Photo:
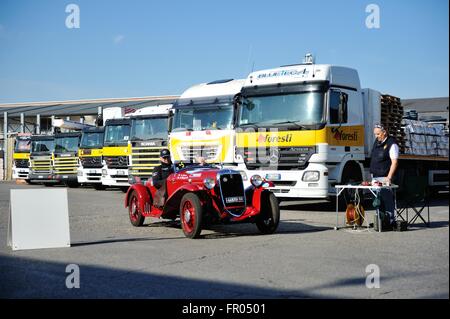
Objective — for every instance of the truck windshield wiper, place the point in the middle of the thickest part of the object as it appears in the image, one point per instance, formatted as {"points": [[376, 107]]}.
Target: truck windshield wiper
{"points": [[255, 125], [293, 122]]}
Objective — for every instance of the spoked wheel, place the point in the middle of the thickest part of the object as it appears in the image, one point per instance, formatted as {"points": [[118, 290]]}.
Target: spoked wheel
{"points": [[191, 212], [269, 218], [135, 214]]}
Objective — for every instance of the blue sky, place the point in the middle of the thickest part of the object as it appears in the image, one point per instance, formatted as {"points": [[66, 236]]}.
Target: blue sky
{"points": [[145, 48]]}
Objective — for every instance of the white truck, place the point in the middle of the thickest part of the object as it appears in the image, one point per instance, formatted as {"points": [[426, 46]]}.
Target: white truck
{"points": [[203, 123], [308, 127], [116, 148]]}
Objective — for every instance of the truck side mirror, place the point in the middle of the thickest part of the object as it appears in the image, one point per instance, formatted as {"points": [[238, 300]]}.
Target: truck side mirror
{"points": [[342, 113]]}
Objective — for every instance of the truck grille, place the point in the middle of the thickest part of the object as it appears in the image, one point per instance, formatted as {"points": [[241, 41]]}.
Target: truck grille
{"points": [[91, 162], [232, 192], [116, 161], [209, 152], [144, 159], [66, 165], [41, 165], [21, 163], [284, 158]]}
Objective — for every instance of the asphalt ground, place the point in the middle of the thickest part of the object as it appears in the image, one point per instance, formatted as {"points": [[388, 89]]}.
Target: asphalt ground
{"points": [[305, 258]]}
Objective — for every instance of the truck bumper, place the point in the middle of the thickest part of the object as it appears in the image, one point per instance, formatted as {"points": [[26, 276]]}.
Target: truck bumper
{"points": [[90, 176], [66, 178], [20, 173], [45, 177], [289, 184], [115, 177]]}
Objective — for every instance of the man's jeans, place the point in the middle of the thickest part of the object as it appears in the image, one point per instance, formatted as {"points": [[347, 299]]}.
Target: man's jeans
{"points": [[387, 199]]}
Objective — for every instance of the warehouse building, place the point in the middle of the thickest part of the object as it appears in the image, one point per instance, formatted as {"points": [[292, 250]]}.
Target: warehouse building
{"points": [[36, 117]]}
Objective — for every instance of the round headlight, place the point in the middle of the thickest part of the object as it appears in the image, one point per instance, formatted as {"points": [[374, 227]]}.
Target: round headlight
{"points": [[209, 183], [256, 180]]}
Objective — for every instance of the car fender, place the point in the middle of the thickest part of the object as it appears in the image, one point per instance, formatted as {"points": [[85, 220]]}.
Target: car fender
{"points": [[143, 195]]}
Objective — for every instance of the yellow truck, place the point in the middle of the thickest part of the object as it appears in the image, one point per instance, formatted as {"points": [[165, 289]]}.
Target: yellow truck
{"points": [[90, 154], [21, 157]]}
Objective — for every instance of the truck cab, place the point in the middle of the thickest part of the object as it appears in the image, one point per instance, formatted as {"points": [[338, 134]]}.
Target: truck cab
{"points": [[90, 157], [21, 157], [204, 123], [149, 135], [41, 164], [116, 151], [65, 158]]}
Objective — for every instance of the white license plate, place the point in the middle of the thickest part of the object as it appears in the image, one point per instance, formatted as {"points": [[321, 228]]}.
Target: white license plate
{"points": [[65, 176], [92, 171], [40, 176], [121, 173], [22, 171], [231, 200], [273, 177]]}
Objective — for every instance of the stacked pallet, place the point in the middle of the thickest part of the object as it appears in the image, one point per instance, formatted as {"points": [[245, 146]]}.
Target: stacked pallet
{"points": [[423, 138], [391, 117]]}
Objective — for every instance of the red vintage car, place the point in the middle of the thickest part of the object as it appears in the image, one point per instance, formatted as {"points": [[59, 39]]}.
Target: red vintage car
{"points": [[201, 195]]}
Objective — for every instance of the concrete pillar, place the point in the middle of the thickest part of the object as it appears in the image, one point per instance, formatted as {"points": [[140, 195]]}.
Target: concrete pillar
{"points": [[53, 128], [22, 123], [38, 123], [5, 144]]}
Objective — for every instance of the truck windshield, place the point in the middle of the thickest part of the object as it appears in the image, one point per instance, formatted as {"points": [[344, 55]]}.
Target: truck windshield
{"points": [[42, 146], [22, 146], [203, 118], [149, 129], [305, 108], [92, 140], [66, 144], [117, 134]]}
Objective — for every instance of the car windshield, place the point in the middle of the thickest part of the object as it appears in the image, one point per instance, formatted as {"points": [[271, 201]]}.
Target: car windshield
{"points": [[92, 140], [149, 128], [203, 118], [304, 108], [117, 134], [23, 146], [66, 144], [42, 146]]}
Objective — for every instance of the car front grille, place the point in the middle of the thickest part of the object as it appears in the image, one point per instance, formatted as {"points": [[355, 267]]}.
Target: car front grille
{"points": [[232, 192]]}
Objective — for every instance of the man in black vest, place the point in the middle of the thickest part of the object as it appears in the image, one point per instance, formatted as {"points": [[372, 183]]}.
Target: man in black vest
{"points": [[383, 165], [159, 176]]}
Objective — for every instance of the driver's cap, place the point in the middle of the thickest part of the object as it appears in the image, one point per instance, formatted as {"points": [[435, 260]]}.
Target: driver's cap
{"points": [[165, 153]]}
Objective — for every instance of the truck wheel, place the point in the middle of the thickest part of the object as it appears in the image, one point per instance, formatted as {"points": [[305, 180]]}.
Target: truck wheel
{"points": [[99, 187], [72, 184], [134, 212], [191, 212], [269, 217], [29, 182]]}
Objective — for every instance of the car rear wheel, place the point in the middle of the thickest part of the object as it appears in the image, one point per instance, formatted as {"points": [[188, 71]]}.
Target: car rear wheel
{"points": [[191, 212], [269, 217], [134, 212]]}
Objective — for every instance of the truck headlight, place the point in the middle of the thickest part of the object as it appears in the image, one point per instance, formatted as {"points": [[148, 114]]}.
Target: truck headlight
{"points": [[256, 180], [209, 183], [311, 176]]}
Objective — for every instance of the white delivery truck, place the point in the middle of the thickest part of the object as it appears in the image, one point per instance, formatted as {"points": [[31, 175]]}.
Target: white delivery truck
{"points": [[308, 127]]}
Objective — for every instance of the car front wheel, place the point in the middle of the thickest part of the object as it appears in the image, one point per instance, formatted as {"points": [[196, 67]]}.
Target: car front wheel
{"points": [[269, 217], [191, 211]]}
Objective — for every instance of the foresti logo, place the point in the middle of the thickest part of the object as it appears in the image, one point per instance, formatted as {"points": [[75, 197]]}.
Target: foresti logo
{"points": [[341, 136], [266, 138]]}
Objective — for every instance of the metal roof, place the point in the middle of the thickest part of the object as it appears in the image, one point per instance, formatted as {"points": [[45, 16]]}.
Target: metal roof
{"points": [[438, 104], [82, 107]]}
